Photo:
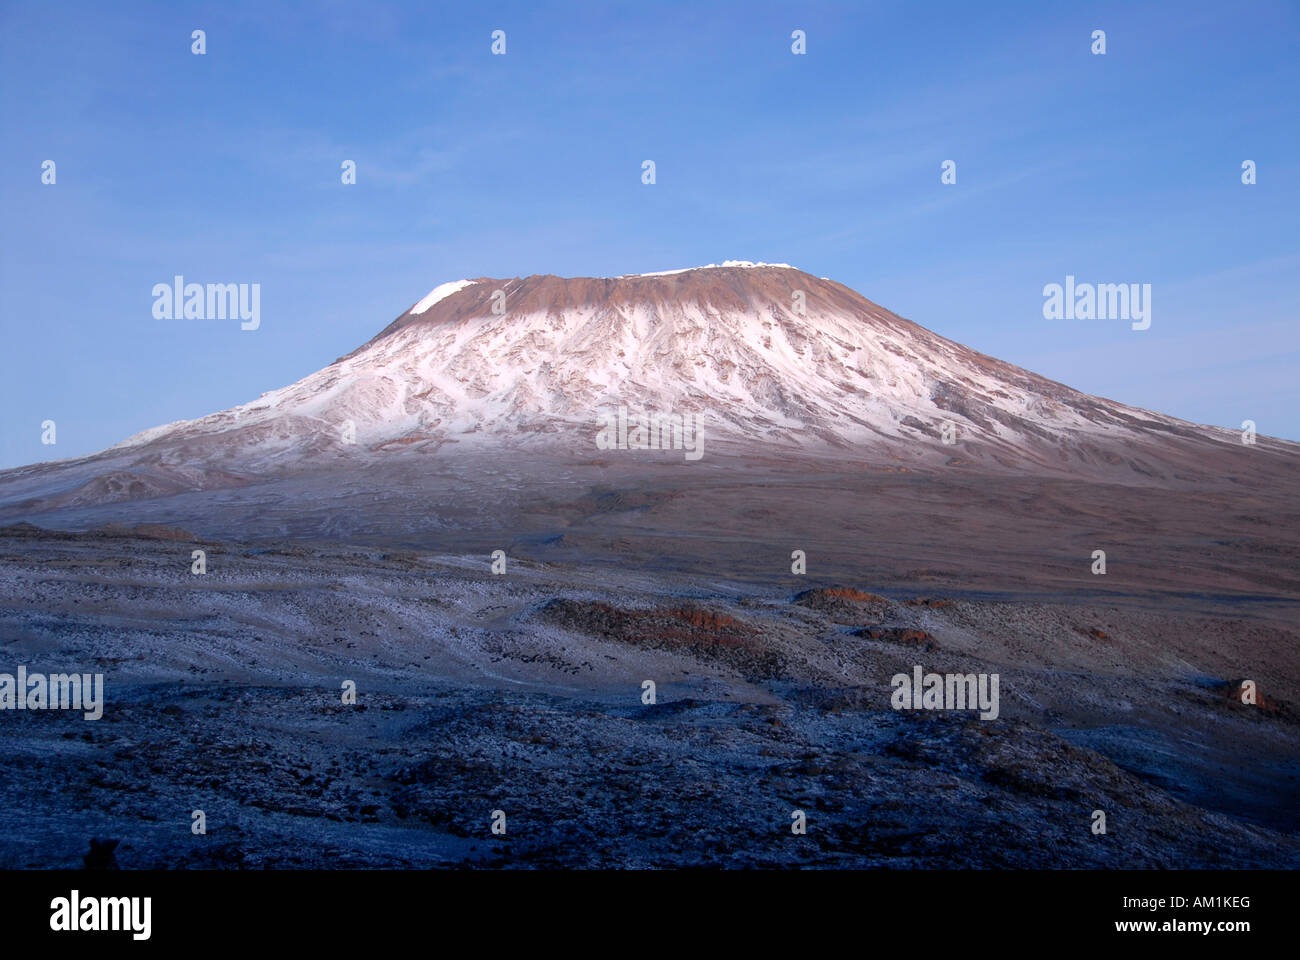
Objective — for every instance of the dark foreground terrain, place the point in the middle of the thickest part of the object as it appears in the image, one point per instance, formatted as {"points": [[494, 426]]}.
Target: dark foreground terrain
{"points": [[522, 693]]}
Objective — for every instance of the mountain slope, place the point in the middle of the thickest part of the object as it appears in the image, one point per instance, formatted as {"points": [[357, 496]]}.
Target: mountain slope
{"points": [[775, 362], [724, 342]]}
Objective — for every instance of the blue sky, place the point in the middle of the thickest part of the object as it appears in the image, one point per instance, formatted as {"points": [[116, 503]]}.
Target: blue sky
{"points": [[226, 168]]}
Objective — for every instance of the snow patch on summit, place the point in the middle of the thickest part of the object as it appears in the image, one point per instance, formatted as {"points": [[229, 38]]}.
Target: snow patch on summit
{"points": [[707, 266], [440, 292]]}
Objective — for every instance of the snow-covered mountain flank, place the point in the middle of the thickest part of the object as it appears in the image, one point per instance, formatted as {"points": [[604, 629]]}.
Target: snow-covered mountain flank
{"points": [[763, 353], [774, 362]]}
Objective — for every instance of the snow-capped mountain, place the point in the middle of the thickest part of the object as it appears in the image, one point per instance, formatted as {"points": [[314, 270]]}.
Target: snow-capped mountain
{"points": [[763, 353], [773, 361]]}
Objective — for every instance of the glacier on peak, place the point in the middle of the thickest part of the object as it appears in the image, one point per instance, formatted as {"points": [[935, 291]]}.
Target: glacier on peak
{"points": [[441, 292], [707, 266]]}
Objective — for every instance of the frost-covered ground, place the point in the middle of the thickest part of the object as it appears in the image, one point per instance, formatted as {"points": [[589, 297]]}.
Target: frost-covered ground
{"points": [[522, 693]]}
